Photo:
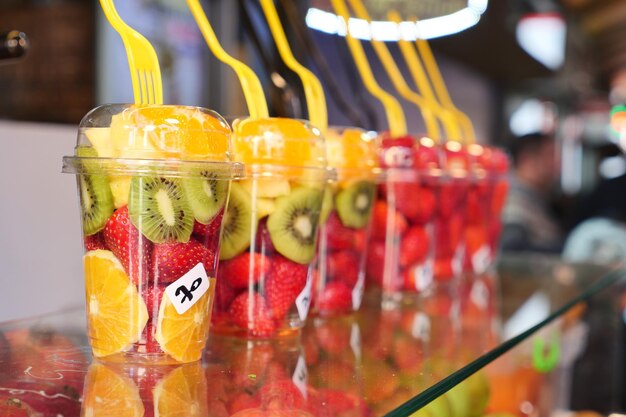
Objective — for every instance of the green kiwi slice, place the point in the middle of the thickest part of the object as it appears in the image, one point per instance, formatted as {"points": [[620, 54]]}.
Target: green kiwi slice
{"points": [[293, 225], [95, 195], [238, 224], [327, 204], [354, 204], [205, 193], [158, 208]]}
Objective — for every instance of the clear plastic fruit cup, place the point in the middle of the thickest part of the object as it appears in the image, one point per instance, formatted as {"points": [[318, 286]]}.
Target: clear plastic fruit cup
{"points": [[498, 173], [401, 247], [339, 275], [451, 214], [153, 184], [270, 233]]}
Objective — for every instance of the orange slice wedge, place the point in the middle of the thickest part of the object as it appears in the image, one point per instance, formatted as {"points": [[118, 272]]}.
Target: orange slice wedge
{"points": [[110, 394], [183, 336], [116, 313]]}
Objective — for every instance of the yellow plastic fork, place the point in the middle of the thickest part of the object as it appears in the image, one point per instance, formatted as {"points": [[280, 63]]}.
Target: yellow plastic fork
{"points": [[250, 84], [393, 109], [315, 99], [145, 72], [427, 108], [440, 86]]}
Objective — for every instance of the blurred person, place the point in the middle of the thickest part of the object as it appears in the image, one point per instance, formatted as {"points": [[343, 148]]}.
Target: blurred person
{"points": [[528, 223]]}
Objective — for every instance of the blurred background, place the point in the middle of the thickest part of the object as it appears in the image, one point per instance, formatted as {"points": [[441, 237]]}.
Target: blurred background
{"points": [[516, 67]]}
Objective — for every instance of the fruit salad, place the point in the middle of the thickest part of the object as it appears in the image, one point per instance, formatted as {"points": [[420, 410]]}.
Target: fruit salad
{"points": [[339, 276], [270, 229], [401, 247], [153, 183]]}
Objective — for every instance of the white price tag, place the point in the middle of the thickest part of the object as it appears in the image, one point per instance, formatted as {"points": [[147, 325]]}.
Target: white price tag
{"points": [[303, 301], [357, 292], [421, 327], [188, 289], [300, 375], [479, 294], [481, 259], [423, 276], [355, 341]]}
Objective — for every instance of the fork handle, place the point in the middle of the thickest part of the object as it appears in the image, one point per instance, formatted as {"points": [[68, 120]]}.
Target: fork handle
{"points": [[13, 44]]}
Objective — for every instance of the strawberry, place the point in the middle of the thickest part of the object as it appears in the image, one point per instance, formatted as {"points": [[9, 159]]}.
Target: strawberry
{"points": [[360, 240], [203, 231], [263, 241], [337, 235], [244, 270], [283, 285], [224, 294], [249, 311], [380, 215], [375, 264], [335, 297], [414, 246], [94, 242], [129, 246], [243, 401], [172, 260], [152, 295], [343, 266]]}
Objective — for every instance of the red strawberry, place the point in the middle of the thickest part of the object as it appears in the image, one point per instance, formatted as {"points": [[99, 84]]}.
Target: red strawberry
{"points": [[360, 240], [380, 215], [249, 311], [414, 246], [343, 266], [224, 294], [94, 242], [152, 295], [129, 246], [244, 270], [337, 235], [283, 285], [375, 264], [243, 401], [172, 260], [203, 231], [263, 241], [335, 297]]}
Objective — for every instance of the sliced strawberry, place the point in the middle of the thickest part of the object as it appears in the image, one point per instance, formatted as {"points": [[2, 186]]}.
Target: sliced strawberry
{"points": [[249, 311], [283, 285], [343, 266], [94, 242], [133, 250], [338, 236], [414, 246], [172, 260], [336, 297], [244, 270], [263, 241], [380, 227]]}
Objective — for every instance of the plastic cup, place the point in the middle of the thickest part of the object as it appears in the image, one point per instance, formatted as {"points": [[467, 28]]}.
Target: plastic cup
{"points": [[153, 183], [402, 244], [339, 276], [271, 229]]}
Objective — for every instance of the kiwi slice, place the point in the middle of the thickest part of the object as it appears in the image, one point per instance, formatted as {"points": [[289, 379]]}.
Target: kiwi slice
{"points": [[293, 225], [354, 204], [157, 206], [95, 195], [327, 204], [238, 224], [205, 193]]}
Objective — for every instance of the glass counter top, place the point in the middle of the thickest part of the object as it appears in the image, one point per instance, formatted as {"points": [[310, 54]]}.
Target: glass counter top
{"points": [[391, 361]]}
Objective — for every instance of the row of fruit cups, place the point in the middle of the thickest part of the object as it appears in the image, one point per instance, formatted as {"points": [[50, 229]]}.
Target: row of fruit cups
{"points": [[147, 230]]}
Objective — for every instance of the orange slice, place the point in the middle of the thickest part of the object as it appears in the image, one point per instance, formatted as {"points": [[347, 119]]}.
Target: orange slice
{"points": [[182, 393], [277, 141], [183, 336], [116, 313], [110, 394]]}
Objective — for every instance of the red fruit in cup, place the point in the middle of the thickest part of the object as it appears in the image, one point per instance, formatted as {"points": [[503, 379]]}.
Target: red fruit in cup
{"points": [[343, 266], [172, 260], [249, 311], [360, 240], [224, 294], [417, 203], [375, 264], [244, 270], [338, 236], [398, 152], [284, 283], [95, 242], [263, 242], [335, 297], [381, 213], [243, 401], [426, 157], [211, 229], [152, 295], [414, 246], [129, 246]]}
